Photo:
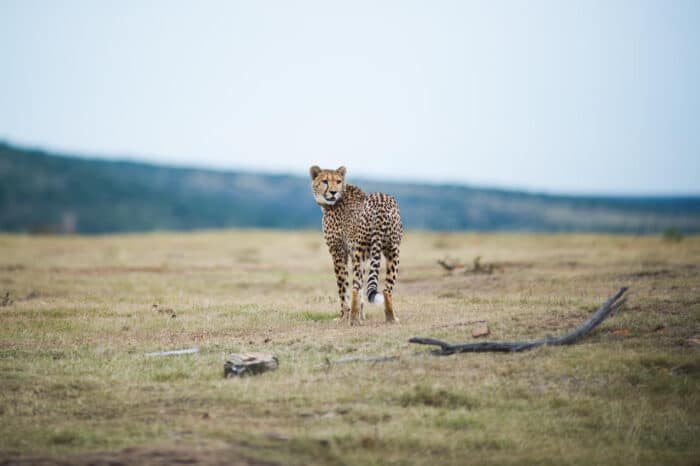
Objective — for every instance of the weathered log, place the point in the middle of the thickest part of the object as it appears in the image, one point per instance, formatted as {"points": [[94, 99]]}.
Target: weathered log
{"points": [[579, 332]]}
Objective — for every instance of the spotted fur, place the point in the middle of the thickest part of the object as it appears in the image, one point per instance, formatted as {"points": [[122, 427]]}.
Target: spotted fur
{"points": [[360, 227]]}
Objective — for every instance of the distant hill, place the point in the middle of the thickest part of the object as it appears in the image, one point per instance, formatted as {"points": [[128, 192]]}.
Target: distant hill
{"points": [[48, 192]]}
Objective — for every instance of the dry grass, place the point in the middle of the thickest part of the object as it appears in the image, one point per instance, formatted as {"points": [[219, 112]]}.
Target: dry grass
{"points": [[76, 385]]}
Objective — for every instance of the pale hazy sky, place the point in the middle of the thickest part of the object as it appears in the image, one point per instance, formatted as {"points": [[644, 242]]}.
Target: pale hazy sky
{"points": [[562, 96]]}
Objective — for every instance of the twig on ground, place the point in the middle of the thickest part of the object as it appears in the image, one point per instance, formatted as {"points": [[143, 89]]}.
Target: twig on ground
{"points": [[459, 324], [366, 359], [579, 332], [174, 352]]}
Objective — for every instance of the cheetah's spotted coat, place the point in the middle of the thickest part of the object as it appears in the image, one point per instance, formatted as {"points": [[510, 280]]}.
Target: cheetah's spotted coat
{"points": [[360, 227]]}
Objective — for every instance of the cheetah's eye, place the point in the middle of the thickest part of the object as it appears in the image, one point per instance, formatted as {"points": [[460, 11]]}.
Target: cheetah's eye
{"points": [[325, 182]]}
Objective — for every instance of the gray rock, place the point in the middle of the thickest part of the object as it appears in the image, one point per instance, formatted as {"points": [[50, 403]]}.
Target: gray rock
{"points": [[239, 364]]}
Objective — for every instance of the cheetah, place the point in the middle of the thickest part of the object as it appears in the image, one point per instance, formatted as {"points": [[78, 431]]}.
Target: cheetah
{"points": [[361, 227]]}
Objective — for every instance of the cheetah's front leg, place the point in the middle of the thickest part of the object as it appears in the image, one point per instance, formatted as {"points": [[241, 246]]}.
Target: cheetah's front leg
{"points": [[356, 303], [340, 266]]}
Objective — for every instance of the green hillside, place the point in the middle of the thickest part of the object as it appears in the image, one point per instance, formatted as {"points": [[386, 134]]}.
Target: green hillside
{"points": [[48, 192]]}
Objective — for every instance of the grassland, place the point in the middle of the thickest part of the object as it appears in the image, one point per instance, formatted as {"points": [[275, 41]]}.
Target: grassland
{"points": [[76, 387]]}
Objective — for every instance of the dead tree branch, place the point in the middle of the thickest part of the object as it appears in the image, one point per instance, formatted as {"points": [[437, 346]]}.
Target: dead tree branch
{"points": [[478, 267], [449, 267], [613, 303]]}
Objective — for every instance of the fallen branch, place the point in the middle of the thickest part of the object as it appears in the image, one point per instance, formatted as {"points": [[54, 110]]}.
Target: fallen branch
{"points": [[449, 267], [478, 268], [579, 332]]}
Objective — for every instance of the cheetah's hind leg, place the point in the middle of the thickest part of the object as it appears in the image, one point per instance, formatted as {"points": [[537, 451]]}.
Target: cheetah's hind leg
{"points": [[392, 270], [389, 308]]}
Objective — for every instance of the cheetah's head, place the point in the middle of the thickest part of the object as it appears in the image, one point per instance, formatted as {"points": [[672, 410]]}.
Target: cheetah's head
{"points": [[328, 186]]}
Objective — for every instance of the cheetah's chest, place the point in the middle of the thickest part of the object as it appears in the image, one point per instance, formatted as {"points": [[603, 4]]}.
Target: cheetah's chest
{"points": [[343, 229]]}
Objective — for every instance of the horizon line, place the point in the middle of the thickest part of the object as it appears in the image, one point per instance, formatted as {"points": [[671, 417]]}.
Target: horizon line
{"points": [[109, 157]]}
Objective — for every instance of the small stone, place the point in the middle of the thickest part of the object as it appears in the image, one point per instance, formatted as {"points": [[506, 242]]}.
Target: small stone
{"points": [[480, 330]]}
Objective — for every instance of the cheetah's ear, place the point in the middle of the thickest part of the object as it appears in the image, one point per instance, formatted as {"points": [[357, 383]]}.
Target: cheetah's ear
{"points": [[341, 170], [314, 171]]}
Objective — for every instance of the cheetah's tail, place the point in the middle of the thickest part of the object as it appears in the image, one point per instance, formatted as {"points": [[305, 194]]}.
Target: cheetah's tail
{"points": [[375, 298]]}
